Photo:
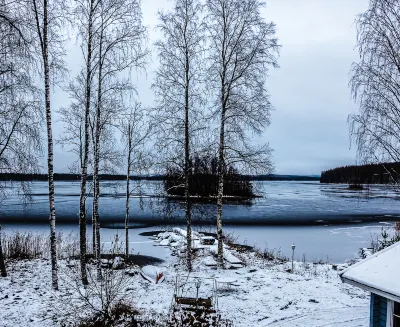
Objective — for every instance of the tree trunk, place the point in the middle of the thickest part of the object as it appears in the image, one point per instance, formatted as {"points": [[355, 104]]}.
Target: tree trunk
{"points": [[187, 171], [3, 270], [128, 195], [97, 159], [94, 233], [221, 172], [52, 218], [96, 193], [82, 203], [221, 167]]}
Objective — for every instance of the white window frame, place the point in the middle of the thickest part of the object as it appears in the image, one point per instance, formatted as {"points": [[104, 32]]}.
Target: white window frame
{"points": [[390, 314], [395, 315], [390, 311]]}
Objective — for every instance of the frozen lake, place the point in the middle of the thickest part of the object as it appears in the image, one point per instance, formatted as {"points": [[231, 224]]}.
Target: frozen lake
{"points": [[324, 221]]}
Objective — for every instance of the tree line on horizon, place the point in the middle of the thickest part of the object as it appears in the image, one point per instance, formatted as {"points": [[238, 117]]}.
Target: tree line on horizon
{"points": [[382, 173], [30, 177], [209, 87]]}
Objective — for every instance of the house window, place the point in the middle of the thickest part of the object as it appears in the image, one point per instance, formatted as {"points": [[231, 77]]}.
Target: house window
{"points": [[396, 314]]}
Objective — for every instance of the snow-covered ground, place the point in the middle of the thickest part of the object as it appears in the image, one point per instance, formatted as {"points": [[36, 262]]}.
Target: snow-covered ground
{"points": [[261, 293]]}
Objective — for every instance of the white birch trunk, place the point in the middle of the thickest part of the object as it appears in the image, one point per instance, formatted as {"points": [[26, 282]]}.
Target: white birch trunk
{"points": [[82, 202], [221, 171], [97, 159], [128, 194], [187, 169], [52, 218]]}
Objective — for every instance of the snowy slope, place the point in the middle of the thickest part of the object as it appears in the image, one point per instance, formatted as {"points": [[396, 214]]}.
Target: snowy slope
{"points": [[262, 293]]}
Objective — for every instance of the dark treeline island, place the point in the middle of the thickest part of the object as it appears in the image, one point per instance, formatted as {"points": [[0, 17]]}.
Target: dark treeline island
{"points": [[384, 173], [203, 180], [111, 177]]}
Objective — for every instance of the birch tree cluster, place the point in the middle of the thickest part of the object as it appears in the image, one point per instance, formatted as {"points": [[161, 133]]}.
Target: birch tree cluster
{"points": [[210, 91]]}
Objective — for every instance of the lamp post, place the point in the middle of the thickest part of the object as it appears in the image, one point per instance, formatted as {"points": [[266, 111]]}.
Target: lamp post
{"points": [[293, 247], [197, 284]]}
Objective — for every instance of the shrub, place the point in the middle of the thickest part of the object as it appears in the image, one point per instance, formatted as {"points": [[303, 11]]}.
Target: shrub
{"points": [[384, 240], [271, 255], [197, 318], [28, 245], [20, 246]]}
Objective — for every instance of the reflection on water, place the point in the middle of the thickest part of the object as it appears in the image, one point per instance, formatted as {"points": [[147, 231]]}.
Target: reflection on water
{"points": [[322, 220], [289, 203]]}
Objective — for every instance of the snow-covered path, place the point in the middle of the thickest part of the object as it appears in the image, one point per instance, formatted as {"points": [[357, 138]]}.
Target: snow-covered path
{"points": [[344, 317]]}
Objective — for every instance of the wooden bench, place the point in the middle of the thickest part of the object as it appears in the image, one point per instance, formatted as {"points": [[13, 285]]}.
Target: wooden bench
{"points": [[200, 302]]}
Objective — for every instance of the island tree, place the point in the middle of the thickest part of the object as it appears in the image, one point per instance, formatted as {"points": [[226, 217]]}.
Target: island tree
{"points": [[242, 49]]}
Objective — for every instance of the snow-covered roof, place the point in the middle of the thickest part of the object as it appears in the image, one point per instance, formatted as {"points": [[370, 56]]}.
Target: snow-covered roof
{"points": [[378, 273]]}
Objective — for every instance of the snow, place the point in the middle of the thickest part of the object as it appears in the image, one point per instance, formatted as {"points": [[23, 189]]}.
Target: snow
{"points": [[261, 293], [118, 263], [153, 274], [209, 261], [165, 242], [379, 271]]}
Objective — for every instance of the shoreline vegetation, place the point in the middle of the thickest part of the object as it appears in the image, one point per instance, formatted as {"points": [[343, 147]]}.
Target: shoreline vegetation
{"points": [[382, 173]]}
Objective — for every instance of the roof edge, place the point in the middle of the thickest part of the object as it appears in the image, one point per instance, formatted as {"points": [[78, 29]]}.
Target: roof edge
{"points": [[371, 289], [368, 258]]}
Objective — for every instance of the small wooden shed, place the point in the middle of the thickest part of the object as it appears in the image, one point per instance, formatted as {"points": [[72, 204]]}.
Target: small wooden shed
{"points": [[379, 274]]}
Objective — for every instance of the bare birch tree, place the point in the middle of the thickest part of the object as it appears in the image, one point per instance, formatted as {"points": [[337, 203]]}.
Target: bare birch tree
{"points": [[135, 132], [72, 138], [45, 19], [242, 49], [177, 89], [375, 84], [120, 47], [85, 14], [20, 105]]}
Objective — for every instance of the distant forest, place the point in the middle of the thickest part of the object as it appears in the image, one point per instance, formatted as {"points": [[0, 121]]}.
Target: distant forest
{"points": [[72, 177], [364, 174], [106, 177]]}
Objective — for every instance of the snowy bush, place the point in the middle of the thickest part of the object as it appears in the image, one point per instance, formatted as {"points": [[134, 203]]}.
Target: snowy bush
{"points": [[27, 245], [197, 318], [387, 238], [104, 302]]}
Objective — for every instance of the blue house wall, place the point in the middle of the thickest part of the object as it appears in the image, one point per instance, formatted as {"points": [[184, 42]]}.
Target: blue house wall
{"points": [[378, 313]]}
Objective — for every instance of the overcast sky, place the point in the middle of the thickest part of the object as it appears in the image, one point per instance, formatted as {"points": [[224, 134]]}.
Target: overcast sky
{"points": [[309, 91]]}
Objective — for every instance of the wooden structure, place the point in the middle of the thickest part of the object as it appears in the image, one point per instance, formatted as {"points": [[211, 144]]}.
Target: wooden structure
{"points": [[186, 297]]}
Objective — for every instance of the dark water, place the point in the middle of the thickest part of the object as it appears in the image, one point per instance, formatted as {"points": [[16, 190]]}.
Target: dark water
{"points": [[322, 220], [283, 203]]}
